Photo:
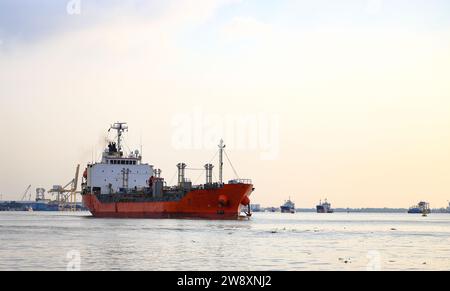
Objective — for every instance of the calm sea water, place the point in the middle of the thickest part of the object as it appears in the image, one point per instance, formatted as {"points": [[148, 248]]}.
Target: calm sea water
{"points": [[269, 241]]}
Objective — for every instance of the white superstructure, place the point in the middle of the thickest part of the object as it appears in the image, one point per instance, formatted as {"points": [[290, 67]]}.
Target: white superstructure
{"points": [[116, 173]]}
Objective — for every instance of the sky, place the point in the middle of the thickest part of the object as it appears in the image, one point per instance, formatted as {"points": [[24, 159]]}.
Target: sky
{"points": [[346, 100]]}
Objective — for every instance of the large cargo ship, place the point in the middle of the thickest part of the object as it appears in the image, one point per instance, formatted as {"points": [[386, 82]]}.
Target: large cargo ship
{"points": [[122, 186]]}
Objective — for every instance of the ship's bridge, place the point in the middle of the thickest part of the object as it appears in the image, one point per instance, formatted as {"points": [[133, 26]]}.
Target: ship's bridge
{"points": [[122, 162], [113, 156]]}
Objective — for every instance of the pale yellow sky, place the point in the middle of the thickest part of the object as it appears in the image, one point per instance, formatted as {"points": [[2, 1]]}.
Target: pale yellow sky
{"points": [[358, 114]]}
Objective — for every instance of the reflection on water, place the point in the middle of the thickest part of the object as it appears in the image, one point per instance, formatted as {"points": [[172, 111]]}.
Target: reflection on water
{"points": [[270, 241]]}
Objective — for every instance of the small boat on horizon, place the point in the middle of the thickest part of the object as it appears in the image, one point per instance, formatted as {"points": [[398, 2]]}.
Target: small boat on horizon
{"points": [[324, 207], [288, 206], [421, 208]]}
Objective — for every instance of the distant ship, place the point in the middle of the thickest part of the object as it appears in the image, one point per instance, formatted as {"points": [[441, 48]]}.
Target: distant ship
{"points": [[123, 186], [421, 208], [324, 207], [288, 207]]}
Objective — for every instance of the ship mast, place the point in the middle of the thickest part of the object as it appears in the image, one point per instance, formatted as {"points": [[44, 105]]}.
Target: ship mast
{"points": [[121, 127], [221, 148]]}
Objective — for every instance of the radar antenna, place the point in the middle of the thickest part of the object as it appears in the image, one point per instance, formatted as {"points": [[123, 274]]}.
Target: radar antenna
{"points": [[120, 127]]}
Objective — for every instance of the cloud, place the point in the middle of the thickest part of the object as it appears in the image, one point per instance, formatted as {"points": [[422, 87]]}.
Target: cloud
{"points": [[194, 10], [30, 20], [371, 92], [240, 28], [374, 6]]}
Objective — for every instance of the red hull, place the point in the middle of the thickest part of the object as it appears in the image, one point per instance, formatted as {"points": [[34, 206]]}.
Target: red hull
{"points": [[201, 204]]}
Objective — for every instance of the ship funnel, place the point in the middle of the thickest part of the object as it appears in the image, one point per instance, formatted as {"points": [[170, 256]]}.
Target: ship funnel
{"points": [[181, 173], [209, 169], [158, 173]]}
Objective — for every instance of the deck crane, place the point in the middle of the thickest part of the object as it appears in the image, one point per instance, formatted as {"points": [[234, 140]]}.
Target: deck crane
{"points": [[26, 192]]}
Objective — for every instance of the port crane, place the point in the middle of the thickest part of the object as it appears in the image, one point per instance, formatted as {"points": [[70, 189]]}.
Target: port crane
{"points": [[26, 192], [67, 195]]}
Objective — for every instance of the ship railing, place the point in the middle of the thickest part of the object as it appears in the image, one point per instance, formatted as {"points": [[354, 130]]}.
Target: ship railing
{"points": [[241, 181], [208, 186]]}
